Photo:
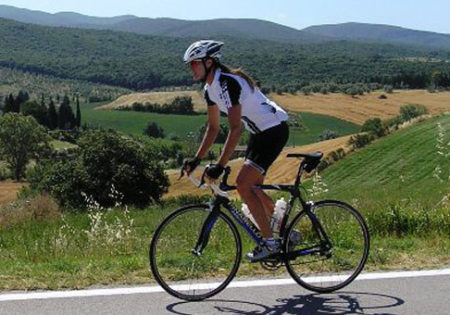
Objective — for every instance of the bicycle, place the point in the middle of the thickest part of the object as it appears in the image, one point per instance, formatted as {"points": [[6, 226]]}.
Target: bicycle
{"points": [[196, 250]]}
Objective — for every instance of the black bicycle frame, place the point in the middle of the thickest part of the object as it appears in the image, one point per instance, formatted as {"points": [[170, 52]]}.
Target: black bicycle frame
{"points": [[250, 228]]}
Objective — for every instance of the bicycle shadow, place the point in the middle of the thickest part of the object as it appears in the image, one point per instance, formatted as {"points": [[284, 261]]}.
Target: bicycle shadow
{"points": [[334, 303]]}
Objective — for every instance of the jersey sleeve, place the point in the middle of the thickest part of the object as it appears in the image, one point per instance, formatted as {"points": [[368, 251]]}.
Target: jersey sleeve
{"points": [[208, 100], [231, 90]]}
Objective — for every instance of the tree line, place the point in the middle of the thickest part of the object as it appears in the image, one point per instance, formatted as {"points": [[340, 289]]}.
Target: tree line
{"points": [[142, 62], [51, 115]]}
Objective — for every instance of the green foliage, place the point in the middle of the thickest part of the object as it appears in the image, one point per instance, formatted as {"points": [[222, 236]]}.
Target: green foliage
{"points": [[153, 130], [38, 111], [411, 111], [66, 118], [106, 162], [374, 126], [145, 62], [180, 105], [21, 139], [327, 135], [360, 140]]}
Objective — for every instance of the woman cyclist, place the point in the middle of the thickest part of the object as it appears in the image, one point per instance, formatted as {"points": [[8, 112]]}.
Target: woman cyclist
{"points": [[234, 93]]}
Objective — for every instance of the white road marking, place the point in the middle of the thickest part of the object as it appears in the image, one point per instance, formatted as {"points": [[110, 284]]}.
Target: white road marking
{"points": [[234, 284]]}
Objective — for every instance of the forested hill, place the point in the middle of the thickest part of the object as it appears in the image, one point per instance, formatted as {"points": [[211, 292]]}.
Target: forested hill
{"points": [[380, 33], [145, 62]]}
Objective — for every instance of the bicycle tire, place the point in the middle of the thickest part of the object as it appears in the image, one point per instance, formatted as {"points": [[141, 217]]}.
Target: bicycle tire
{"points": [[184, 274], [328, 271]]}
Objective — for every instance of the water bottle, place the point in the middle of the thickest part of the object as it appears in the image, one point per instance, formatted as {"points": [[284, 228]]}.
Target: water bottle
{"points": [[278, 214], [246, 211]]}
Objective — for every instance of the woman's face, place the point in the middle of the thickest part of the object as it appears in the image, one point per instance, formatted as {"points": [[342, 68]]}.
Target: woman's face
{"points": [[197, 69]]}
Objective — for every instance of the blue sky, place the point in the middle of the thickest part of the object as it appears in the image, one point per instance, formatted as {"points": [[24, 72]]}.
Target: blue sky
{"points": [[421, 15]]}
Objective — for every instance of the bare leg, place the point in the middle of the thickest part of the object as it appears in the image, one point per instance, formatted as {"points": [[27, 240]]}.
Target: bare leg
{"points": [[247, 178], [265, 199]]}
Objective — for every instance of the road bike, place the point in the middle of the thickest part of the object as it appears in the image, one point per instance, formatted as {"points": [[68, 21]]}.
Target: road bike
{"points": [[196, 250]]}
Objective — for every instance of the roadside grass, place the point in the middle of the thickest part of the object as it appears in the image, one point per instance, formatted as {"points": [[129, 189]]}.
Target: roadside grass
{"points": [[183, 125], [76, 251]]}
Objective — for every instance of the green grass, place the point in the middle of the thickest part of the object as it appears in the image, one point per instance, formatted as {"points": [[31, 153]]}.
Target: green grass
{"points": [[395, 168], [182, 125]]}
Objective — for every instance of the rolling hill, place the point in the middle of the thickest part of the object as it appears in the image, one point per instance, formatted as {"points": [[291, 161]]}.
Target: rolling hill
{"points": [[143, 62], [240, 28], [380, 33], [395, 168]]}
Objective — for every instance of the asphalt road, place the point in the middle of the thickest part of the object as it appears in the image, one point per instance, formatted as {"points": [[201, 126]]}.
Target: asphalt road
{"points": [[393, 295]]}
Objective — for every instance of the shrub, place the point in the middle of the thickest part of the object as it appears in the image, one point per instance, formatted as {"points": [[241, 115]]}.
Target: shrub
{"points": [[411, 111], [153, 130], [388, 89], [327, 135], [106, 160], [374, 126], [40, 207], [360, 140]]}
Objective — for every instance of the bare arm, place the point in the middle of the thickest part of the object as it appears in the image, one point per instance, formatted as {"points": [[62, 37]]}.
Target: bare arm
{"points": [[212, 131], [234, 119]]}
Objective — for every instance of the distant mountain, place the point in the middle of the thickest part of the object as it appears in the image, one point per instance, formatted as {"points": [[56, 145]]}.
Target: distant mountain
{"points": [[68, 19], [241, 28], [143, 62], [381, 33]]}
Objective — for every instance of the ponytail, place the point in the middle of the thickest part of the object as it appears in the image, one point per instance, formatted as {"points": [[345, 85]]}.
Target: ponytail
{"points": [[238, 72]]}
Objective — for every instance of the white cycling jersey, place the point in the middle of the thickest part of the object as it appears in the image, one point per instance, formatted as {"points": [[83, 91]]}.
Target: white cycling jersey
{"points": [[258, 112]]}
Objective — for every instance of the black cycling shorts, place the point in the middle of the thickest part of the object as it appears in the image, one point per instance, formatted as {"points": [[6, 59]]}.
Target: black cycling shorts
{"points": [[264, 147]]}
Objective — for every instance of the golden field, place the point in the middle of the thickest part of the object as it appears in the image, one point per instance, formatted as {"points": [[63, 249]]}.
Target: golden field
{"points": [[283, 171], [354, 109]]}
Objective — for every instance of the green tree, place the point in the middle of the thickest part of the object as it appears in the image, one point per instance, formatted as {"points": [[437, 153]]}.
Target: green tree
{"points": [[374, 126], [104, 159], [66, 118], [153, 130], [21, 139], [78, 117], [52, 115], [21, 98], [38, 111], [9, 104], [411, 111]]}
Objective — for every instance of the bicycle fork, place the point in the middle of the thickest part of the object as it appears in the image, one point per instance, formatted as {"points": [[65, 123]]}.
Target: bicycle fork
{"points": [[207, 226]]}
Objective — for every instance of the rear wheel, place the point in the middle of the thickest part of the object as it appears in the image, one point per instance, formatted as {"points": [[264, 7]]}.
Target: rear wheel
{"points": [[180, 271], [311, 263]]}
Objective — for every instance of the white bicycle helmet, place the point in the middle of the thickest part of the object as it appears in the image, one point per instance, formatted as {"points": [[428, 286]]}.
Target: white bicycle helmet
{"points": [[202, 49]]}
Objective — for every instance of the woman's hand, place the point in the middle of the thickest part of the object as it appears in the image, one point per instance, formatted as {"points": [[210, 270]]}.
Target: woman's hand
{"points": [[189, 165], [214, 171]]}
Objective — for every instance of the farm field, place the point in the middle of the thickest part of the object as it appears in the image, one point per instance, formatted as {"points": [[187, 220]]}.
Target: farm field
{"points": [[354, 109], [182, 125], [360, 108]]}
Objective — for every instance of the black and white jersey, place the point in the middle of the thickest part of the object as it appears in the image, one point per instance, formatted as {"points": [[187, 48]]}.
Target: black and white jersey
{"points": [[258, 112]]}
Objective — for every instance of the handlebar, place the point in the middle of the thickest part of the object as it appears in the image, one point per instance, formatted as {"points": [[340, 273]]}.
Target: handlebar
{"points": [[218, 189]]}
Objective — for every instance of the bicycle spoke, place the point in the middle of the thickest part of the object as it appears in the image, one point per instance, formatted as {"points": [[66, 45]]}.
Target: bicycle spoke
{"points": [[185, 274], [327, 269]]}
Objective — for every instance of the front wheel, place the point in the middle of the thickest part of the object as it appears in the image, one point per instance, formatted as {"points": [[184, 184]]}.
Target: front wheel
{"points": [[185, 273], [329, 255]]}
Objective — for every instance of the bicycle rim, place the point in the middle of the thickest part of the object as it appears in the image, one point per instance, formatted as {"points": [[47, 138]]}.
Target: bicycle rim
{"points": [[328, 270], [184, 274]]}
